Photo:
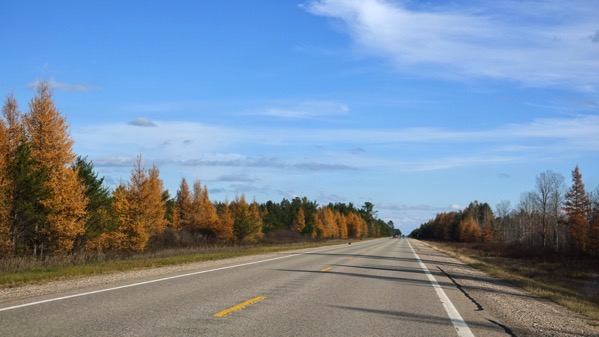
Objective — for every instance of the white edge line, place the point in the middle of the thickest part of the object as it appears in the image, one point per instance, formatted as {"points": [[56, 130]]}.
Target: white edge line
{"points": [[456, 319], [159, 280]]}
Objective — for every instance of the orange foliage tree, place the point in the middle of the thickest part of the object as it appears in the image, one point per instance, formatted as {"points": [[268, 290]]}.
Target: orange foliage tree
{"points": [[226, 222], [341, 221], [355, 225], [299, 221], [468, 230], [183, 206], [140, 207], [51, 148]]}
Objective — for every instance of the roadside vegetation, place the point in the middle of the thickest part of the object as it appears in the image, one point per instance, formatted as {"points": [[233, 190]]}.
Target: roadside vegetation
{"points": [[19, 271], [57, 217], [548, 244]]}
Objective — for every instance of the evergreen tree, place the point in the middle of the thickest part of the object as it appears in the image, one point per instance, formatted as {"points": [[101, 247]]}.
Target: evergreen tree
{"points": [[247, 220], [27, 214], [11, 135], [594, 235], [576, 207], [100, 213]]}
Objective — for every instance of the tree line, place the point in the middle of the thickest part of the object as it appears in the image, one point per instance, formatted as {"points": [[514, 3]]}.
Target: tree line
{"points": [[53, 202], [552, 217]]}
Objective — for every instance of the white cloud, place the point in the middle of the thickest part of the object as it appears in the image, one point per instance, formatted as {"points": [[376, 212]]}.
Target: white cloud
{"points": [[525, 41], [456, 207], [143, 122]]}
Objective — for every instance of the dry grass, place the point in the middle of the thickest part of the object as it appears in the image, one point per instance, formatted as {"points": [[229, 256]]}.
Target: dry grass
{"points": [[572, 282], [26, 270]]}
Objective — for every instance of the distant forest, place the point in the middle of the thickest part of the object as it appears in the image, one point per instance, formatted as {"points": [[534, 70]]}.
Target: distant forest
{"points": [[552, 217], [53, 202]]}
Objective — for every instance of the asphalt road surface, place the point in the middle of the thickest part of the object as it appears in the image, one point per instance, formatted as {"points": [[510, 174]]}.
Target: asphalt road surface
{"points": [[384, 287]]}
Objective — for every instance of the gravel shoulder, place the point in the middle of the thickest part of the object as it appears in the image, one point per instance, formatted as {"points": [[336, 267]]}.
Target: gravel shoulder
{"points": [[519, 312]]}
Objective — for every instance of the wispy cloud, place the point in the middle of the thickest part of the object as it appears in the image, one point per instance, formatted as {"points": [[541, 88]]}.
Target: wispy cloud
{"points": [[531, 42], [304, 110], [61, 86], [237, 177], [267, 162], [190, 145]]}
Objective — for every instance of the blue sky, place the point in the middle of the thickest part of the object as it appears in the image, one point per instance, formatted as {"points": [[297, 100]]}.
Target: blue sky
{"points": [[416, 106]]}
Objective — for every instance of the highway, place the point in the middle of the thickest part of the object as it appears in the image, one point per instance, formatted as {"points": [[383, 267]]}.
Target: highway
{"points": [[383, 287]]}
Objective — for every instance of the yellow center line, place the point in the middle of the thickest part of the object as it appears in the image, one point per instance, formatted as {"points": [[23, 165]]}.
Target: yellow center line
{"points": [[240, 306], [325, 269]]}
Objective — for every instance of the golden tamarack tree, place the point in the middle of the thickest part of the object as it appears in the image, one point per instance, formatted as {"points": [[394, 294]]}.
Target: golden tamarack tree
{"points": [[41, 192], [53, 203], [140, 207]]}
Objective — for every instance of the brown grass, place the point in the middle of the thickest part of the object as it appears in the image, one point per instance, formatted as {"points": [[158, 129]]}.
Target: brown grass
{"points": [[28, 270], [571, 281]]}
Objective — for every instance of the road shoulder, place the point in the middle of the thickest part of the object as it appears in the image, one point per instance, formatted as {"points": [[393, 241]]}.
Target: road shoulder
{"points": [[518, 312]]}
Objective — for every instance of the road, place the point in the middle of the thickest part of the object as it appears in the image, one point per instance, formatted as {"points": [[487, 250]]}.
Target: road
{"points": [[384, 287]]}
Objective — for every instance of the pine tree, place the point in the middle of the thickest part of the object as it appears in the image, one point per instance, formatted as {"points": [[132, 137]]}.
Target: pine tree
{"points": [[51, 148], [247, 220], [594, 235], [576, 207], [6, 248], [11, 135], [99, 209], [28, 215]]}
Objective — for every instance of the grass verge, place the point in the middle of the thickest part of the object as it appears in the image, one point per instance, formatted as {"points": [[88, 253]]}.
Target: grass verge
{"points": [[572, 283], [25, 271]]}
